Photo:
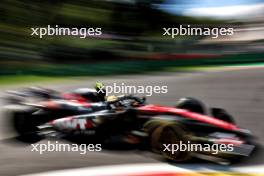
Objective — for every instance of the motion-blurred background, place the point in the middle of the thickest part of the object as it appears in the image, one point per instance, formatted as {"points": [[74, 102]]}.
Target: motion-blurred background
{"points": [[132, 40], [132, 43]]}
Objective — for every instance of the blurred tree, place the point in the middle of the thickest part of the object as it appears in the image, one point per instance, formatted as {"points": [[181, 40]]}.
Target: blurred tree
{"points": [[125, 18]]}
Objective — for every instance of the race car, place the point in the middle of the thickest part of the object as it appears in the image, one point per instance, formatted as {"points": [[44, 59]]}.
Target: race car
{"points": [[129, 120], [39, 93]]}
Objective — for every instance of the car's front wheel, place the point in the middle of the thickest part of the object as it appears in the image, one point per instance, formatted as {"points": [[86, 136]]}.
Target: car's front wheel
{"points": [[166, 140]]}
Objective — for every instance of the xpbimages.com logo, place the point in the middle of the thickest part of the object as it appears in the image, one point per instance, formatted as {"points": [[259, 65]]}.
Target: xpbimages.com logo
{"points": [[122, 88]]}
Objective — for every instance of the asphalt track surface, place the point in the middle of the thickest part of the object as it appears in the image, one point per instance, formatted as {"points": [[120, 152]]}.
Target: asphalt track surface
{"points": [[241, 92]]}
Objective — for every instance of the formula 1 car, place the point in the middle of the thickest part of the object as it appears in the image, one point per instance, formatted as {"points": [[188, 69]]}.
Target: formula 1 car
{"points": [[39, 93], [129, 120]]}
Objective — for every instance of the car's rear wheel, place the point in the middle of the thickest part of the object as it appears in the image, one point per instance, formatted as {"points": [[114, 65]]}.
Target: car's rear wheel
{"points": [[173, 134], [191, 104], [24, 124]]}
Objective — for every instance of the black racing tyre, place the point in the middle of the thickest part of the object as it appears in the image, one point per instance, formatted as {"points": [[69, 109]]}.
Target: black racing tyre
{"points": [[170, 133], [191, 104], [151, 125], [148, 128], [25, 125]]}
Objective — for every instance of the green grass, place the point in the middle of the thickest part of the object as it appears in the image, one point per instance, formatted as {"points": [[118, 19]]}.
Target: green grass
{"points": [[9, 80], [23, 79]]}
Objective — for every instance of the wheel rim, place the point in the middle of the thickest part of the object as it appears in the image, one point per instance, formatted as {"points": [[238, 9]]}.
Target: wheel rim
{"points": [[168, 136]]}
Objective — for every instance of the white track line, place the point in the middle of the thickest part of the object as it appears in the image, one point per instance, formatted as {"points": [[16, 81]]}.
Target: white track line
{"points": [[131, 169], [233, 68]]}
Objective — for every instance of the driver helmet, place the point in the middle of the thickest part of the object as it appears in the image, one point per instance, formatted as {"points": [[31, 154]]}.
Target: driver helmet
{"points": [[117, 106], [111, 98]]}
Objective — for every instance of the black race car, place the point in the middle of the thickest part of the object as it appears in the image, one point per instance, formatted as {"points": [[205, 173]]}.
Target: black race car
{"points": [[128, 120]]}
